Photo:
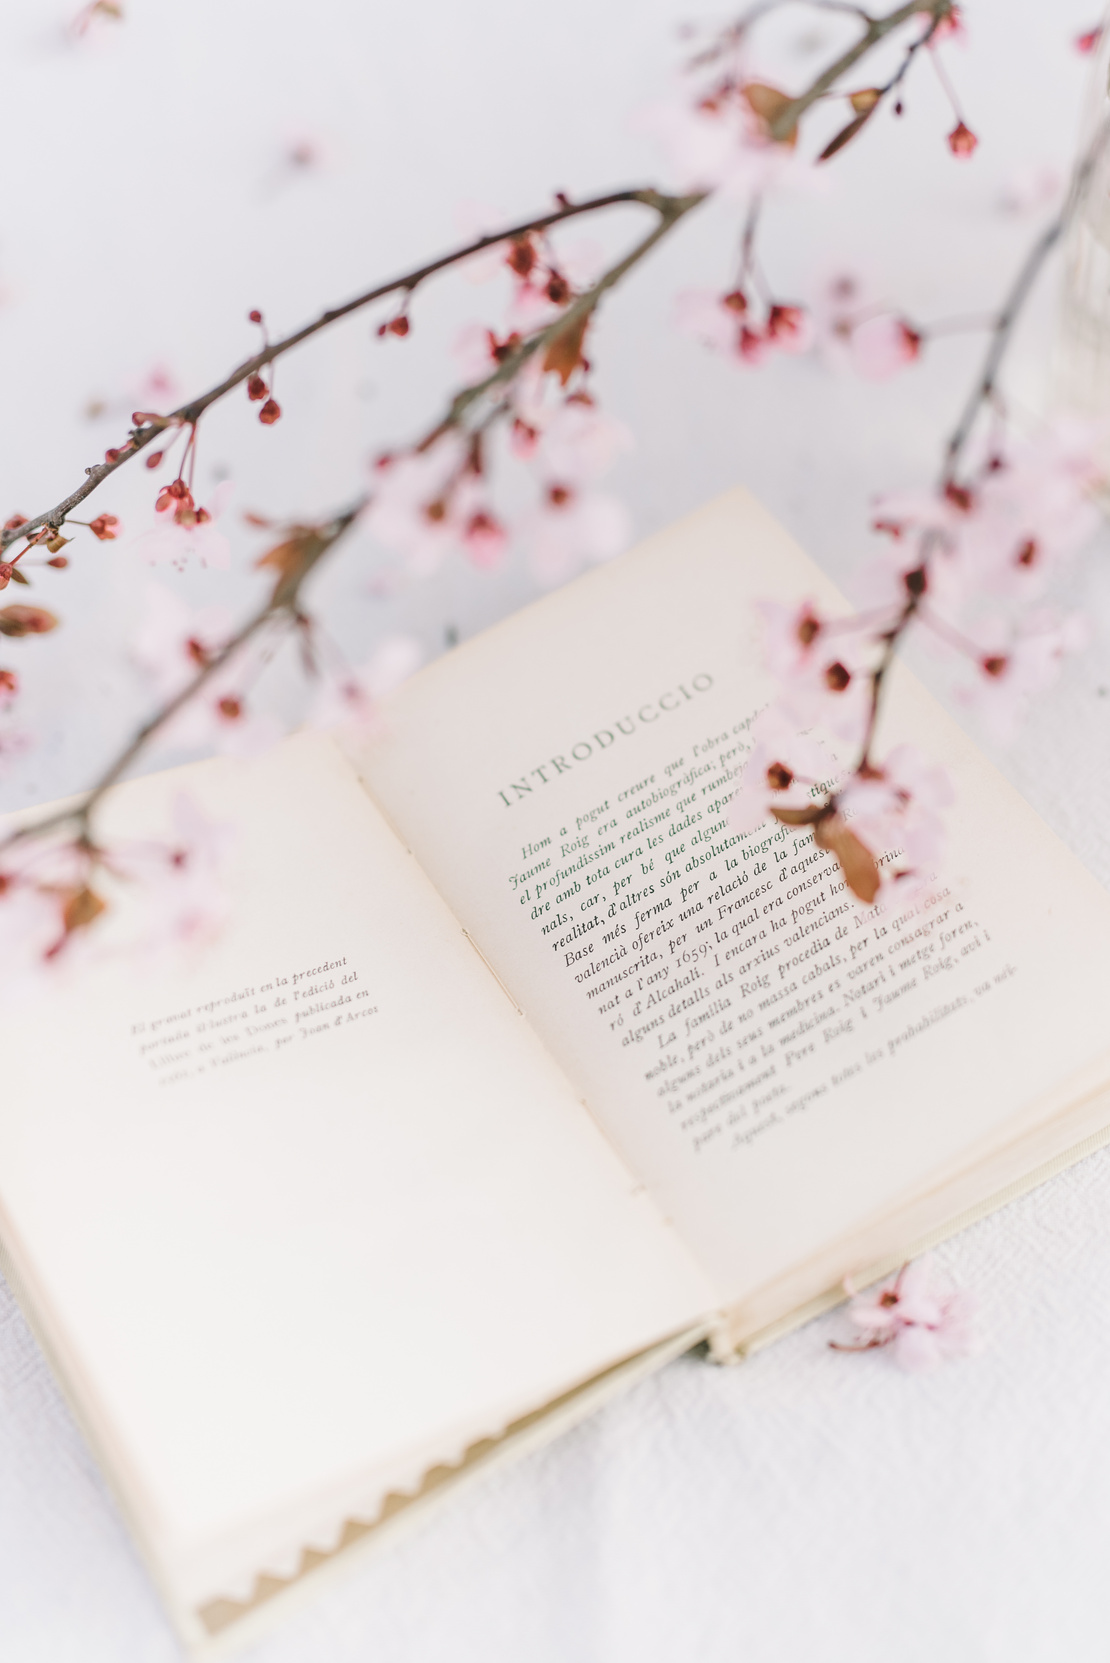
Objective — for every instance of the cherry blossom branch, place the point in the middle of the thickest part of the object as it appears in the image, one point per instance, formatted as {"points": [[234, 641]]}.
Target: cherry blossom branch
{"points": [[190, 413], [296, 559], [474, 408], [881, 800], [985, 388], [311, 545], [875, 30], [982, 394], [780, 128]]}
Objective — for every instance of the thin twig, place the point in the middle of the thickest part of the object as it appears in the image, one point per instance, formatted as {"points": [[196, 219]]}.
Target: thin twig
{"points": [[140, 437], [982, 394], [986, 385], [876, 29]]}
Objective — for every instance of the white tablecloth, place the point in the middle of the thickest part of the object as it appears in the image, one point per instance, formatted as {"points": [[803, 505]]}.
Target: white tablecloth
{"points": [[805, 1505]]}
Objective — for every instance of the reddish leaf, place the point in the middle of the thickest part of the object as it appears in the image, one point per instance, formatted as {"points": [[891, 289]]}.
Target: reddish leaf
{"points": [[26, 620], [865, 99], [292, 559], [82, 908], [856, 861], [847, 134], [564, 350], [768, 103]]}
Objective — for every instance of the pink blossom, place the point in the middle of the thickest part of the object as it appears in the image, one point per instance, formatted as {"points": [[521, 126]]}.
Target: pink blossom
{"points": [[1031, 188], [706, 315], [182, 896], [1032, 510], [924, 1321], [1017, 663], [573, 528], [172, 644], [854, 328], [534, 397], [725, 323], [782, 771], [182, 530], [474, 352], [580, 443], [484, 539], [410, 511], [38, 878], [221, 719], [715, 142], [822, 667], [790, 328], [351, 700], [173, 641], [900, 806], [883, 345], [427, 504]]}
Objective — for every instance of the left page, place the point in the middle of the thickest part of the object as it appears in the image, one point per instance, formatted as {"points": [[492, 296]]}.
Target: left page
{"points": [[303, 1216]]}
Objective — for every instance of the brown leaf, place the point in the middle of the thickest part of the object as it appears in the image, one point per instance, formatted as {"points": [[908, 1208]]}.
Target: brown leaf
{"points": [[856, 861], [20, 577], [846, 134], [865, 99], [798, 816], [768, 103], [26, 620], [564, 350], [292, 559], [81, 909]]}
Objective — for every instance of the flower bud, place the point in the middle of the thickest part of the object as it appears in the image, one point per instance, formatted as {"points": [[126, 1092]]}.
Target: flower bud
{"points": [[257, 388], [521, 257], [270, 412], [961, 140]]}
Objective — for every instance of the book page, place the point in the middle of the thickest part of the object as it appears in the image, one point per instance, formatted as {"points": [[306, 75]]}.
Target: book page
{"points": [[777, 1062], [309, 1212]]}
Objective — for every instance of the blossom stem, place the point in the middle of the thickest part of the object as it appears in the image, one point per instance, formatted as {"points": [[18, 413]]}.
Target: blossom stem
{"points": [[985, 388], [282, 607], [875, 30], [983, 395]]}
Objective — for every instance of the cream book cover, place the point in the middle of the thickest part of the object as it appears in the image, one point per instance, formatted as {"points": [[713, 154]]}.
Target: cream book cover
{"points": [[514, 1073]]}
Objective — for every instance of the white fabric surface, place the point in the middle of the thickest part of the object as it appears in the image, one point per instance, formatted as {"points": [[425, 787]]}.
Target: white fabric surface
{"points": [[806, 1505]]}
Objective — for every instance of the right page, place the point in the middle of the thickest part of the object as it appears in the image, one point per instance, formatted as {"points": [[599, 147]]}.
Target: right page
{"points": [[780, 1065]]}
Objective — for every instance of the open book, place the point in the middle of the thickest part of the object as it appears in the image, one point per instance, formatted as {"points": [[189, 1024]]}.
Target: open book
{"points": [[515, 1074]]}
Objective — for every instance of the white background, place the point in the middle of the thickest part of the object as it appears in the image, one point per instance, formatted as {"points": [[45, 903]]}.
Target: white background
{"points": [[807, 1505]]}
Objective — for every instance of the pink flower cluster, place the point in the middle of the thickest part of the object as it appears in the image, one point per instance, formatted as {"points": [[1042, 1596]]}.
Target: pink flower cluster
{"points": [[969, 564], [920, 1318], [984, 555], [532, 378], [845, 327], [54, 889]]}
